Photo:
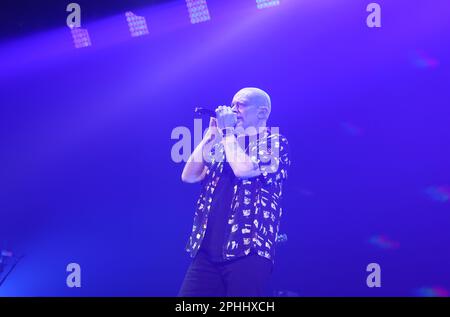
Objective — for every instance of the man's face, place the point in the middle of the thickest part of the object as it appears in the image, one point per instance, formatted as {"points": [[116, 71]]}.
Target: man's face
{"points": [[247, 113]]}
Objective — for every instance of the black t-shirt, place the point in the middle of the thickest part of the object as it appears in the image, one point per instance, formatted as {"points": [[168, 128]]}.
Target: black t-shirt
{"points": [[214, 239]]}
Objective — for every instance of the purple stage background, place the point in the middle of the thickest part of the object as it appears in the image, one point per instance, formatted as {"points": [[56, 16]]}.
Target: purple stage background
{"points": [[86, 173]]}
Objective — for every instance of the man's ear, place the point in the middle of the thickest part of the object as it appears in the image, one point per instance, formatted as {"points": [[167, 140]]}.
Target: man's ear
{"points": [[263, 112]]}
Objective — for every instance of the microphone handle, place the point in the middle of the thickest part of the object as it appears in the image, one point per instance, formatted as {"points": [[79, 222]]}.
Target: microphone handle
{"points": [[204, 112]]}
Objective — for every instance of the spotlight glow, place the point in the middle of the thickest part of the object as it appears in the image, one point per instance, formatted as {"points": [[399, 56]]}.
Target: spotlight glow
{"points": [[438, 193], [262, 4], [198, 11], [422, 60], [136, 24], [383, 242], [436, 291], [80, 37]]}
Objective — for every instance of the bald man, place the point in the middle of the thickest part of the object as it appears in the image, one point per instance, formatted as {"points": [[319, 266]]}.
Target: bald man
{"points": [[242, 166]]}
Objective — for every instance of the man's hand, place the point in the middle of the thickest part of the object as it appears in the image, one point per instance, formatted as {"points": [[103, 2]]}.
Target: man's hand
{"points": [[213, 132], [226, 118], [195, 168]]}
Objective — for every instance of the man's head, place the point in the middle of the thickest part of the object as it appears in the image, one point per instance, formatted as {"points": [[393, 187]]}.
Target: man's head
{"points": [[252, 106]]}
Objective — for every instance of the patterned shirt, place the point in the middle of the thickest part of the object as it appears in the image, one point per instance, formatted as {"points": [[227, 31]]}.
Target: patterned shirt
{"points": [[256, 208]]}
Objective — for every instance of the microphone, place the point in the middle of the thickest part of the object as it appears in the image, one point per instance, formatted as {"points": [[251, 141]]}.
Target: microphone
{"points": [[200, 111]]}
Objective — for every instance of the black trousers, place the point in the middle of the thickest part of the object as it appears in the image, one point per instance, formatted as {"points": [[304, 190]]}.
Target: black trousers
{"points": [[241, 277]]}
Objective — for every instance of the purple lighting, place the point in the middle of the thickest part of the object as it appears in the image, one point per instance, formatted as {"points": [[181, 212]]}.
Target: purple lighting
{"points": [[262, 4], [136, 24], [432, 292], [80, 37], [383, 242], [438, 193], [198, 11], [351, 129], [423, 61]]}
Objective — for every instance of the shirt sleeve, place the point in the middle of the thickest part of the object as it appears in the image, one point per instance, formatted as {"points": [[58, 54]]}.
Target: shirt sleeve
{"points": [[272, 157]]}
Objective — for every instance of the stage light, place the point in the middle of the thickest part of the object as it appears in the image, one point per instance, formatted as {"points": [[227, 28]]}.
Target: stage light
{"points": [[262, 4], [80, 37], [136, 24], [198, 11]]}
